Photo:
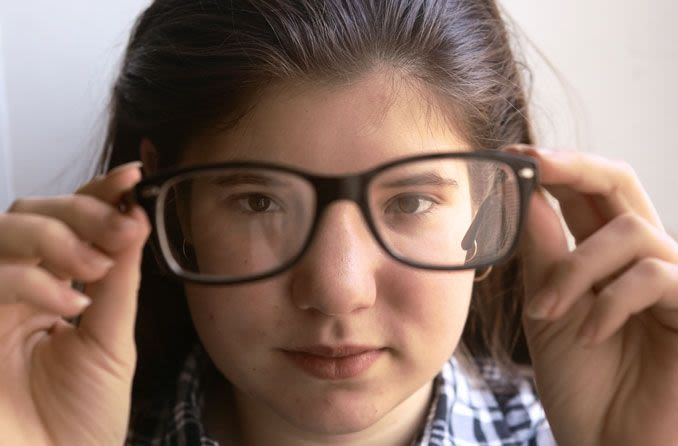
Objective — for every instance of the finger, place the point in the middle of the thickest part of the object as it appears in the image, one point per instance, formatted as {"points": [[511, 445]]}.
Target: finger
{"points": [[599, 257], [649, 282], [92, 219], [543, 243], [111, 187], [581, 212], [33, 240], [591, 187], [109, 321], [616, 181], [34, 286]]}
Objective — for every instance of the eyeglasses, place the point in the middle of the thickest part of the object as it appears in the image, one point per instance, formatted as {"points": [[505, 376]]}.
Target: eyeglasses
{"points": [[237, 222]]}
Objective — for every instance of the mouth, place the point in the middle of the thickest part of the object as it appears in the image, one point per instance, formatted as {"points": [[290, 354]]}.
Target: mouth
{"points": [[334, 362]]}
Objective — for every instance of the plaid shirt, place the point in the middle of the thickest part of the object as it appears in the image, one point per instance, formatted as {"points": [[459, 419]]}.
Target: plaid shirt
{"points": [[464, 412]]}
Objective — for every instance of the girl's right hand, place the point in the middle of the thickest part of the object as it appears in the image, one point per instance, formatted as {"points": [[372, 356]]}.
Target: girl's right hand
{"points": [[62, 384]]}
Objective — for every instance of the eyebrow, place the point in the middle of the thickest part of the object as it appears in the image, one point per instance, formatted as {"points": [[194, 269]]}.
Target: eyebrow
{"points": [[235, 179], [423, 179]]}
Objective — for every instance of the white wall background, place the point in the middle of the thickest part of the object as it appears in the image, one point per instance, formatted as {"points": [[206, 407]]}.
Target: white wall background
{"points": [[619, 61], [6, 183], [617, 96], [59, 61]]}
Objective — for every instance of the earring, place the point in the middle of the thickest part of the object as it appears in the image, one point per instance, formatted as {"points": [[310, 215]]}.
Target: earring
{"points": [[484, 275], [472, 256], [474, 252], [187, 250]]}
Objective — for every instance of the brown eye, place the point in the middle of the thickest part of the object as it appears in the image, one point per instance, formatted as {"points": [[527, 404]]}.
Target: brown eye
{"points": [[410, 204], [259, 203]]}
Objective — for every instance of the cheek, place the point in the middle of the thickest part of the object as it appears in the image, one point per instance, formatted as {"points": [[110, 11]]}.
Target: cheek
{"points": [[427, 310], [232, 322]]}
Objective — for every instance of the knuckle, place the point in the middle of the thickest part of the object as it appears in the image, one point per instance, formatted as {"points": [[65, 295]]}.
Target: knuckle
{"points": [[80, 204], [607, 295], [628, 222], [75, 203], [53, 231], [573, 264], [651, 269], [625, 171]]}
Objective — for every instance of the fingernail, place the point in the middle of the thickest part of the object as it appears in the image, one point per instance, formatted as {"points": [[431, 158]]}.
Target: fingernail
{"points": [[133, 164], [79, 300], [543, 305], [102, 262]]}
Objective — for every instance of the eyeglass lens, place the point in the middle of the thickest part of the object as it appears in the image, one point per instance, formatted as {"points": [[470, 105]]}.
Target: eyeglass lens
{"points": [[235, 223]]}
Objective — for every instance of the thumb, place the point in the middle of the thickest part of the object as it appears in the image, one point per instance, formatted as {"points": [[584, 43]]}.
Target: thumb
{"points": [[110, 319], [543, 244]]}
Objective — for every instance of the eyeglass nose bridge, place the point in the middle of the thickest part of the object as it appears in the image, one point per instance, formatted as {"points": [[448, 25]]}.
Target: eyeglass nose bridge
{"points": [[331, 189], [336, 188]]}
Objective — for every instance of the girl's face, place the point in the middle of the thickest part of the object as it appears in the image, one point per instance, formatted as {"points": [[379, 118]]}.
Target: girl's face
{"points": [[277, 340]]}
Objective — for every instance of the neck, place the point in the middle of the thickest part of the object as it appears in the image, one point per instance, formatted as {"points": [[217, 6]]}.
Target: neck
{"points": [[252, 423]]}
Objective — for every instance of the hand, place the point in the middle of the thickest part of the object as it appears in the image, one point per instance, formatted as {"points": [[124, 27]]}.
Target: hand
{"points": [[601, 320], [61, 384]]}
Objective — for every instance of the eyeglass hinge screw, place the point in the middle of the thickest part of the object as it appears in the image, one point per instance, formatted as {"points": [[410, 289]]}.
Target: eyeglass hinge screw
{"points": [[526, 172]]}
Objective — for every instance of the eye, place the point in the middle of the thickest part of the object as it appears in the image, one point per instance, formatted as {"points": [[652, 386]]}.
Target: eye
{"points": [[258, 203], [410, 204]]}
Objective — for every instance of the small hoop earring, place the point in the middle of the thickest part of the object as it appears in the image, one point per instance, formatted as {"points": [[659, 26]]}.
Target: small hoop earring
{"points": [[475, 252], [186, 250], [484, 275]]}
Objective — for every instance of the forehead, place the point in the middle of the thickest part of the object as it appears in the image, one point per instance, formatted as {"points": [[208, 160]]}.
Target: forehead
{"points": [[334, 129]]}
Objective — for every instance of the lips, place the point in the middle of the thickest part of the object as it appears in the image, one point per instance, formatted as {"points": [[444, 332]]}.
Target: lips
{"points": [[334, 362]]}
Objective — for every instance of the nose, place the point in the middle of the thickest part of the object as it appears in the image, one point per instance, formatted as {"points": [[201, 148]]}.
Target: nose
{"points": [[337, 275]]}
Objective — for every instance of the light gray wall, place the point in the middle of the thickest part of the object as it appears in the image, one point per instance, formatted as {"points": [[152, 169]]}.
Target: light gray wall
{"points": [[59, 60], [6, 178], [617, 96], [618, 61]]}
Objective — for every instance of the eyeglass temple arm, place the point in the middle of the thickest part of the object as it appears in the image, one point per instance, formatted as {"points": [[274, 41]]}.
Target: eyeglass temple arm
{"points": [[472, 233]]}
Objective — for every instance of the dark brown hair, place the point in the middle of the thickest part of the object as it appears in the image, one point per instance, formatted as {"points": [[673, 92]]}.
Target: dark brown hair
{"points": [[193, 65]]}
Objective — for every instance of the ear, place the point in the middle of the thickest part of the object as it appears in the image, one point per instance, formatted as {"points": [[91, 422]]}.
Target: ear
{"points": [[149, 156]]}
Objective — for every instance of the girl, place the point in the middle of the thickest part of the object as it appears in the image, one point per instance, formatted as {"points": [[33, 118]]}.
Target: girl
{"points": [[325, 179]]}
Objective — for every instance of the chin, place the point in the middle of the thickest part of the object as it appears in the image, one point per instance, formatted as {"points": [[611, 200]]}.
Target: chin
{"points": [[335, 420]]}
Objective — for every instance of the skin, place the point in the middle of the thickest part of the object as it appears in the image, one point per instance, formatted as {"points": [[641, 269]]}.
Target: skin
{"points": [[344, 290], [61, 384], [618, 385], [602, 319]]}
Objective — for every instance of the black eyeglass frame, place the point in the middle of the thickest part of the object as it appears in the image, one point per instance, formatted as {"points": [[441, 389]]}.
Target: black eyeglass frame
{"points": [[328, 189]]}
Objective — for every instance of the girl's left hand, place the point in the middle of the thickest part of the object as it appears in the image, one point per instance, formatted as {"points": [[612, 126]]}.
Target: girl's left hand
{"points": [[602, 320]]}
